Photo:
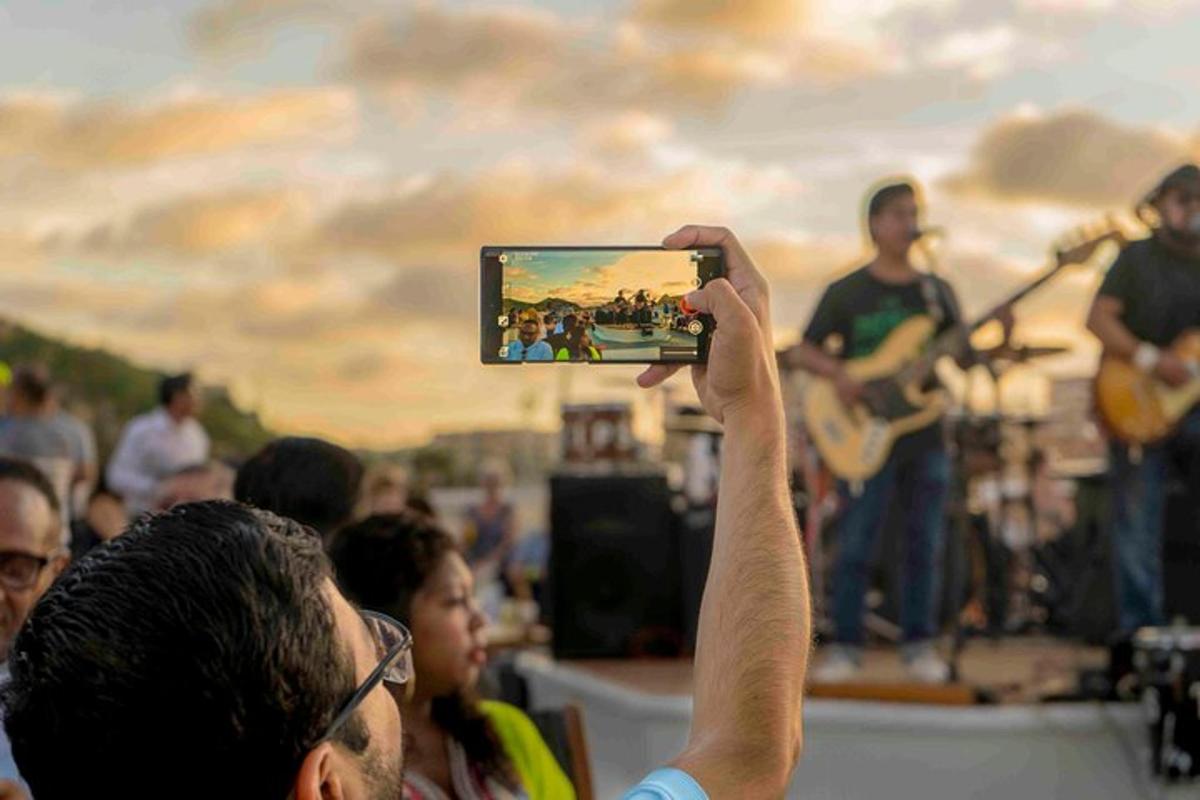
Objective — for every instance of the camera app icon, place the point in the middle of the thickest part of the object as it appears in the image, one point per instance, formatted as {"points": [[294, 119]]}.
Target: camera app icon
{"points": [[695, 327], [502, 321], [504, 351], [504, 258]]}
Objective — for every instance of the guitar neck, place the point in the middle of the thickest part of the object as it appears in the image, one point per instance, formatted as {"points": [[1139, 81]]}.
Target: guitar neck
{"points": [[954, 341]]}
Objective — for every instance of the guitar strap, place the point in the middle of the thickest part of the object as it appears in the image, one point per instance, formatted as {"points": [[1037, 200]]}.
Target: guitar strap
{"points": [[931, 293]]}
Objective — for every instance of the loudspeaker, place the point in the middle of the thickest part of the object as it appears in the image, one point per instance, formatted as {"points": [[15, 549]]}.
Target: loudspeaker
{"points": [[614, 567], [1181, 552]]}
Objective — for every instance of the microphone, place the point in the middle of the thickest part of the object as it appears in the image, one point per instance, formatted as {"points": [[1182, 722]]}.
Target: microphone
{"points": [[924, 233]]}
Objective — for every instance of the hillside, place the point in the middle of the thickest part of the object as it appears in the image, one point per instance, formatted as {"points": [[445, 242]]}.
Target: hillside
{"points": [[106, 390]]}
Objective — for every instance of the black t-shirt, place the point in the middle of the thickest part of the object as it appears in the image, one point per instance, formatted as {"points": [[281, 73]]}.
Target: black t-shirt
{"points": [[861, 310], [1159, 291]]}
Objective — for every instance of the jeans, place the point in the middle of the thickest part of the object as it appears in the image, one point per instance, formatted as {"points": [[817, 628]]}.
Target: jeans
{"points": [[1139, 482], [920, 481]]}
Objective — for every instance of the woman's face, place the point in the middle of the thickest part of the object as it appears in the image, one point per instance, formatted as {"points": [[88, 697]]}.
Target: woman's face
{"points": [[449, 643]]}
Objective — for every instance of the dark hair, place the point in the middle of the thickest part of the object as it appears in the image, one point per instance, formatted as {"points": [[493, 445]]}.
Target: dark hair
{"points": [[201, 637], [1184, 176], [172, 385], [886, 194], [32, 381], [15, 469], [23, 472], [381, 563], [309, 480]]}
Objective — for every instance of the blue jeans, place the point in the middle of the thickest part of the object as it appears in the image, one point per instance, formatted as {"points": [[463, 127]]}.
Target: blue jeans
{"points": [[920, 481], [1139, 483]]}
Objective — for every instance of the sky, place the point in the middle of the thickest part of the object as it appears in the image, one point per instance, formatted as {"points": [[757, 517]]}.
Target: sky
{"points": [[588, 280], [289, 196]]}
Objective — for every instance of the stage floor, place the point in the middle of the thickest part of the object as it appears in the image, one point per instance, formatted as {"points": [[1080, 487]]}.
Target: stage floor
{"points": [[1014, 670], [864, 745]]}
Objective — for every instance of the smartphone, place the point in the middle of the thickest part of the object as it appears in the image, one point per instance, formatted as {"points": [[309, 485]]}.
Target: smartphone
{"points": [[595, 305]]}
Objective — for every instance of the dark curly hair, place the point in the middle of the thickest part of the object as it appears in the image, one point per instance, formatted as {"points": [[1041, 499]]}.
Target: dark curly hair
{"points": [[200, 637]]}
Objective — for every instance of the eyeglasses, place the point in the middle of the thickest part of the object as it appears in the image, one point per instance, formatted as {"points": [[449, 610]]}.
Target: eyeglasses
{"points": [[393, 644], [19, 571]]}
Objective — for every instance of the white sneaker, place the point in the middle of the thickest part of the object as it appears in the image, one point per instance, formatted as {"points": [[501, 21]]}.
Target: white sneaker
{"points": [[926, 666], [838, 666]]}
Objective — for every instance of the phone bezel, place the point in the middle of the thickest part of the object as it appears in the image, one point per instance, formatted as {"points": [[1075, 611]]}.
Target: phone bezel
{"points": [[491, 299]]}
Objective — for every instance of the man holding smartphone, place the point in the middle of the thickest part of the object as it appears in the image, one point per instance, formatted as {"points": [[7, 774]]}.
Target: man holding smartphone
{"points": [[269, 672]]}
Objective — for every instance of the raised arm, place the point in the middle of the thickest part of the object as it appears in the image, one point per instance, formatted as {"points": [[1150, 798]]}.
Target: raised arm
{"points": [[754, 634]]}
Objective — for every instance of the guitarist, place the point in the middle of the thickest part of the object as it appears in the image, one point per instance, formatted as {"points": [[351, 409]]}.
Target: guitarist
{"points": [[858, 312], [1150, 296]]}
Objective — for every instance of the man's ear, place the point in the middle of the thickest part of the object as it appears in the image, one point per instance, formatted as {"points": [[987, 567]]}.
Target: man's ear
{"points": [[318, 778], [58, 564]]}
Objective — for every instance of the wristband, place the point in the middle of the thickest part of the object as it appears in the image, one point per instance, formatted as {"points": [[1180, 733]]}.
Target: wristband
{"points": [[1145, 358]]}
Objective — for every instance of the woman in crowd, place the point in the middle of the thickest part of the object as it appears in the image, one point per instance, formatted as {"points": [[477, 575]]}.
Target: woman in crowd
{"points": [[459, 747]]}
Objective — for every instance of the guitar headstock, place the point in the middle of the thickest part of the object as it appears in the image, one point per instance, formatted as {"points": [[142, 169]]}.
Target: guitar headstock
{"points": [[1078, 246]]}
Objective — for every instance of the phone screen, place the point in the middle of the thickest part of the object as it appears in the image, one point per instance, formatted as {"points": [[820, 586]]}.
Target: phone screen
{"points": [[598, 305]]}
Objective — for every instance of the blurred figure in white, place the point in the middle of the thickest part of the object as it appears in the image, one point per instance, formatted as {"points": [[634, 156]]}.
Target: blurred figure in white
{"points": [[157, 445]]}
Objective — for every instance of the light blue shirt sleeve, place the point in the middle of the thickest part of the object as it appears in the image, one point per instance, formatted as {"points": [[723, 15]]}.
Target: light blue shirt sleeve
{"points": [[667, 784]]}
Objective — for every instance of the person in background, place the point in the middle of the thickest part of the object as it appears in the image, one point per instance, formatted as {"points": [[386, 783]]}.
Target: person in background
{"points": [[491, 524], [309, 480], [83, 453], [387, 489], [104, 519], [30, 432], [157, 444], [1150, 297], [460, 746], [528, 347], [31, 557]]}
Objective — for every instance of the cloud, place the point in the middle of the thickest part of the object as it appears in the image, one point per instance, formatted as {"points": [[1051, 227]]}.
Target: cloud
{"points": [[1073, 157], [506, 205], [222, 26], [90, 135], [755, 20], [536, 61], [198, 225]]}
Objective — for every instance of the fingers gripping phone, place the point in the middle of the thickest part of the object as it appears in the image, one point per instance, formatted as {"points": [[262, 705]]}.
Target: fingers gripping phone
{"points": [[596, 305]]}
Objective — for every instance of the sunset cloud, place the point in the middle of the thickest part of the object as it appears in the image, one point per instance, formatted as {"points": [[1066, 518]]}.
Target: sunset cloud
{"points": [[199, 225], [1074, 157], [102, 134], [756, 20]]}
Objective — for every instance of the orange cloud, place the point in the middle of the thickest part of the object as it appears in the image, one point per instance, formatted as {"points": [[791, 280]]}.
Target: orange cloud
{"points": [[217, 28], [450, 214], [1069, 157], [537, 61], [200, 224], [88, 135], [756, 20]]}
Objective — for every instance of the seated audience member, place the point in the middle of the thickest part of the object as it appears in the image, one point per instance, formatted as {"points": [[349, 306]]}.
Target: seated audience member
{"points": [[265, 683], [459, 746], [528, 347], [387, 489], [31, 557], [104, 519], [308, 480], [207, 653]]}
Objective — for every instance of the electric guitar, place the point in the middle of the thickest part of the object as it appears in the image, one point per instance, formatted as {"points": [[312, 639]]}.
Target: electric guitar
{"points": [[1137, 407], [855, 441]]}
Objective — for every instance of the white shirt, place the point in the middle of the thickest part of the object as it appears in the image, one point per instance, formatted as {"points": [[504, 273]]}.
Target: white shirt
{"points": [[152, 447]]}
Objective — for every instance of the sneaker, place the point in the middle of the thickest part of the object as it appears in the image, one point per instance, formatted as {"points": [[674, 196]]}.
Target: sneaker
{"points": [[840, 665], [924, 665]]}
